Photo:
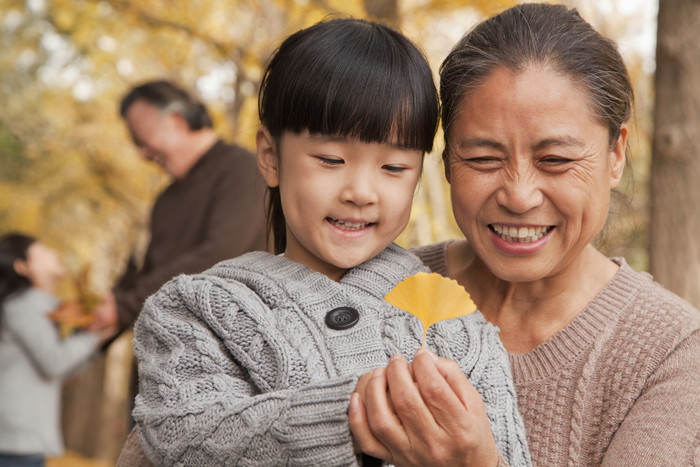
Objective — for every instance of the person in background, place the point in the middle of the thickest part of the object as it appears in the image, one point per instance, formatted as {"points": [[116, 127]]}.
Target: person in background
{"points": [[34, 358], [213, 210], [606, 363]]}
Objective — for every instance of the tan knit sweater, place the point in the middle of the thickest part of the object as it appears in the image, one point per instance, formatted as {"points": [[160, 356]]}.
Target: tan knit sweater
{"points": [[619, 386]]}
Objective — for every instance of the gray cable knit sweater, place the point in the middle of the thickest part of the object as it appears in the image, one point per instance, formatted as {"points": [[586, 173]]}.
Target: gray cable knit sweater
{"points": [[238, 366]]}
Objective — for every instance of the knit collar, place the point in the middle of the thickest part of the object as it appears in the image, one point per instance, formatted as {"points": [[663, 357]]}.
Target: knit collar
{"points": [[380, 274], [376, 276], [566, 345]]}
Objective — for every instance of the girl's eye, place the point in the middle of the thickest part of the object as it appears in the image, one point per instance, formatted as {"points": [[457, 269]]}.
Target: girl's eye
{"points": [[395, 169], [330, 160]]}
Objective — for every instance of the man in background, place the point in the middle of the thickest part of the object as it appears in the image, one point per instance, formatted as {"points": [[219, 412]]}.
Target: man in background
{"points": [[214, 208], [212, 211]]}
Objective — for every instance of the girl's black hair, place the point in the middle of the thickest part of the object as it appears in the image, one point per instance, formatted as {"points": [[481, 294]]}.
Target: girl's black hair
{"points": [[350, 78], [12, 247]]}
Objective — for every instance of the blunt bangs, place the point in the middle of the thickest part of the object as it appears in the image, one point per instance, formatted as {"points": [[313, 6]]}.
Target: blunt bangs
{"points": [[354, 79]]}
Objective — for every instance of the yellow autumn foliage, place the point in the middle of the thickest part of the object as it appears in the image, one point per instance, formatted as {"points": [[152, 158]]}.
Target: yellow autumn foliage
{"points": [[431, 298]]}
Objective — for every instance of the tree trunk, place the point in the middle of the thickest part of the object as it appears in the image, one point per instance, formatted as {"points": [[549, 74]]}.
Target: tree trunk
{"points": [[675, 169], [95, 404]]}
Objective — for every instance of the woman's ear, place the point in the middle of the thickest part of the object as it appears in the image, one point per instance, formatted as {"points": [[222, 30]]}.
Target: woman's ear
{"points": [[618, 157], [267, 157]]}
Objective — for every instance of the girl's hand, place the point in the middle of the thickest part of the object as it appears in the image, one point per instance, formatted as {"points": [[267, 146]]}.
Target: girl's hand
{"points": [[423, 414]]}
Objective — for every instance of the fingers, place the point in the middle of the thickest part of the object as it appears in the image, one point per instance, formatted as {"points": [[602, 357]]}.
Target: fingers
{"points": [[458, 382], [381, 414], [461, 386], [459, 411], [405, 395], [424, 413], [362, 383], [365, 441], [445, 393]]}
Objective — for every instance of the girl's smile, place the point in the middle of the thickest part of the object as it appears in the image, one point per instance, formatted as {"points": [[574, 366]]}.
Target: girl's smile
{"points": [[350, 225]]}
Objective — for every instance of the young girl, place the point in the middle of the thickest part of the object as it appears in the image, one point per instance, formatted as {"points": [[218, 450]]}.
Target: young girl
{"points": [[254, 361], [33, 357]]}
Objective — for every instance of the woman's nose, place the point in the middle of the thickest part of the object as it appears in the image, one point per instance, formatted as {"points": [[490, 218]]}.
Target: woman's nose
{"points": [[520, 194]]}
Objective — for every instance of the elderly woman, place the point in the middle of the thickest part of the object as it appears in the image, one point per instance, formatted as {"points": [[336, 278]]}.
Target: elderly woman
{"points": [[606, 363]]}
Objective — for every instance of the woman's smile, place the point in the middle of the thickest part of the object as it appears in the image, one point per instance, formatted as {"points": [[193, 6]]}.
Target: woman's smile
{"points": [[522, 234], [519, 240]]}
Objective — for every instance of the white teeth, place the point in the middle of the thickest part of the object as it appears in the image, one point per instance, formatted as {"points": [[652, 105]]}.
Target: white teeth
{"points": [[348, 225], [520, 235]]}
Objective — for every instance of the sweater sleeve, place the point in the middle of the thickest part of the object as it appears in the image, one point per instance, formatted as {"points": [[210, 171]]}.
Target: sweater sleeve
{"points": [[203, 402], [663, 425], [233, 225], [491, 377], [26, 319]]}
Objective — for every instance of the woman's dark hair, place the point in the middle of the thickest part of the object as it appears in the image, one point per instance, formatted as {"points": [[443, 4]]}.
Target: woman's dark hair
{"points": [[540, 34], [350, 78], [167, 96], [12, 247]]}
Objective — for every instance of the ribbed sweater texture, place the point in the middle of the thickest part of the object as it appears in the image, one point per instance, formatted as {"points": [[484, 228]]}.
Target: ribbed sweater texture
{"points": [[619, 385], [238, 366]]}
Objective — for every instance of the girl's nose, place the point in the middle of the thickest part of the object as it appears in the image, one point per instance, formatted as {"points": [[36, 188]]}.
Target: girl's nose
{"points": [[359, 189]]}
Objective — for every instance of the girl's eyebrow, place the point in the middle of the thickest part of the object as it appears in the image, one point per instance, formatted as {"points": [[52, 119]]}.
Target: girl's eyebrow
{"points": [[329, 138], [344, 139]]}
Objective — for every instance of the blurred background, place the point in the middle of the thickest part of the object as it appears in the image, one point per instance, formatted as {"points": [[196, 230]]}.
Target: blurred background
{"points": [[70, 175]]}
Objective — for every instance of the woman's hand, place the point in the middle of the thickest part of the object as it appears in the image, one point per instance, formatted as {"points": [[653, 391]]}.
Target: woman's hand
{"points": [[426, 413]]}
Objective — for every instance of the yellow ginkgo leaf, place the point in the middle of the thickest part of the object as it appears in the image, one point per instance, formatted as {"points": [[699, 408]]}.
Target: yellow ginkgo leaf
{"points": [[431, 298]]}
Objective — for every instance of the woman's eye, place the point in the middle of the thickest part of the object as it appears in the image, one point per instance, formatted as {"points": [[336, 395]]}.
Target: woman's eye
{"points": [[483, 162], [555, 160]]}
